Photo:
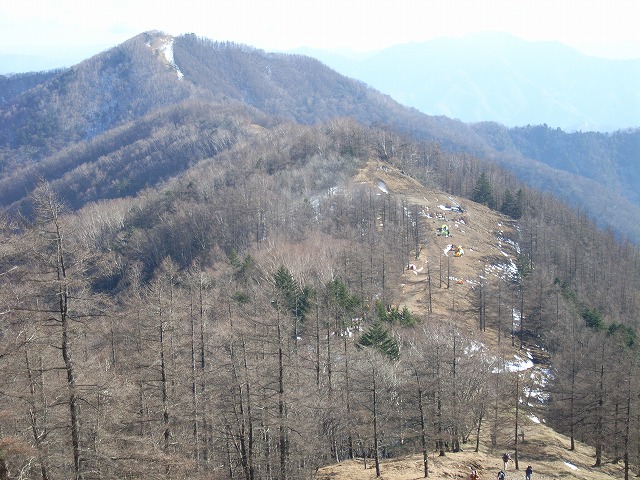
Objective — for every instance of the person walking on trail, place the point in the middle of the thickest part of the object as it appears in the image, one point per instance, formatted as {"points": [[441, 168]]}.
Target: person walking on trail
{"points": [[474, 475], [501, 475], [528, 472], [505, 460]]}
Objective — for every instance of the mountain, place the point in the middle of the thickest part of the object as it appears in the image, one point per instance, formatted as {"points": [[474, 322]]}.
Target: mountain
{"points": [[68, 122], [501, 78], [218, 262], [61, 125]]}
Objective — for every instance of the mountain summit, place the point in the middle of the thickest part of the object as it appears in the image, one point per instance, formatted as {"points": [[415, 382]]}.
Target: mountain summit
{"points": [[56, 124]]}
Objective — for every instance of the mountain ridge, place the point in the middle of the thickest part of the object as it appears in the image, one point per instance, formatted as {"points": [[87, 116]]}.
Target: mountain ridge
{"points": [[124, 83], [499, 77], [233, 270]]}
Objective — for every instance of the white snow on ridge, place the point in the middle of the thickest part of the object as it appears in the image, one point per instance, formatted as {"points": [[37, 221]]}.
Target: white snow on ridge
{"points": [[167, 49], [571, 466]]}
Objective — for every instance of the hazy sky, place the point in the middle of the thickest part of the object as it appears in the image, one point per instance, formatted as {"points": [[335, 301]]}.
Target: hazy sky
{"points": [[63, 27]]}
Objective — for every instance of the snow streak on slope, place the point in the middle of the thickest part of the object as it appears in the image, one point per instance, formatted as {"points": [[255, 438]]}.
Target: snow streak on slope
{"points": [[167, 49]]}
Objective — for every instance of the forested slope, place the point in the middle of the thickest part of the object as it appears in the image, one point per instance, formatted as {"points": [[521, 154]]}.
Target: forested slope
{"points": [[54, 125], [254, 317]]}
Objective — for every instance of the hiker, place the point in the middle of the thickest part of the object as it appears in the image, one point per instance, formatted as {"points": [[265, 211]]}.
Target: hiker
{"points": [[528, 472], [474, 475], [501, 475], [505, 459]]}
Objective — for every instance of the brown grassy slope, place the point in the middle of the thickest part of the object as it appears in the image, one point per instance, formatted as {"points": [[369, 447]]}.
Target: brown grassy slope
{"points": [[484, 236], [545, 450]]}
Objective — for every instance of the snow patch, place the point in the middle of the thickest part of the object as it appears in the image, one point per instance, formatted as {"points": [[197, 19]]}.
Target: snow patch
{"points": [[167, 49], [382, 186], [519, 365], [571, 466]]}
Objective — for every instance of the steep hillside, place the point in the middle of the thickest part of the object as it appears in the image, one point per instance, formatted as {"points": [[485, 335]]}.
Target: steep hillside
{"points": [[491, 249]]}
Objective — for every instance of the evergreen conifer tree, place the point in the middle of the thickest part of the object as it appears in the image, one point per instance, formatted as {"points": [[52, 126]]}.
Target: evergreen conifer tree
{"points": [[379, 338], [482, 192]]}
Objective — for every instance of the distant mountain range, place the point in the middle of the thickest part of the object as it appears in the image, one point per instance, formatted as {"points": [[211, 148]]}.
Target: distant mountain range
{"points": [[501, 78], [138, 113]]}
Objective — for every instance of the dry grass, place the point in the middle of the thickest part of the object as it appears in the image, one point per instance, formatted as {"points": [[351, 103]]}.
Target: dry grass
{"points": [[545, 450]]}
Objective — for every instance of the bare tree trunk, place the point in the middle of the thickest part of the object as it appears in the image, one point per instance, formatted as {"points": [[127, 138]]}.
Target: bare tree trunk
{"points": [[194, 384], [241, 417], [423, 429], [455, 440], [164, 381], [376, 455], [479, 430], [599, 413], [515, 457], [38, 432], [282, 440], [250, 453], [48, 211], [440, 441], [573, 387], [347, 393], [627, 424]]}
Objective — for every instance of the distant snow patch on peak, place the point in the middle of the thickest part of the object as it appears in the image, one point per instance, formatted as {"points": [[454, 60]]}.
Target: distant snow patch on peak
{"points": [[167, 49]]}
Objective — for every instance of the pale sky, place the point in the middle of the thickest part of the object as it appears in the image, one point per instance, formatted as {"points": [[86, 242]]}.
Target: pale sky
{"points": [[608, 28]]}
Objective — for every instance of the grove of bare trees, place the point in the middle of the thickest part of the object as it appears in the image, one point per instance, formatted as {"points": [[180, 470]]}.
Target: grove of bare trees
{"points": [[241, 321]]}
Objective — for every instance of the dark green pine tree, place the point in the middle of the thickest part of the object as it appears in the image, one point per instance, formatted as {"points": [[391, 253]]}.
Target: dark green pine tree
{"points": [[518, 208], [482, 192], [338, 295], [296, 299], [508, 203], [511, 205], [379, 338]]}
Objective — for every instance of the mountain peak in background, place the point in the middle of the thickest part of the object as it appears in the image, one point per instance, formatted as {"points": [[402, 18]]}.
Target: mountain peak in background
{"points": [[499, 77], [54, 125]]}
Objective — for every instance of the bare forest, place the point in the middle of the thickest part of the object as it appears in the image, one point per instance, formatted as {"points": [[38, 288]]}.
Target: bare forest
{"points": [[195, 284], [247, 325]]}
